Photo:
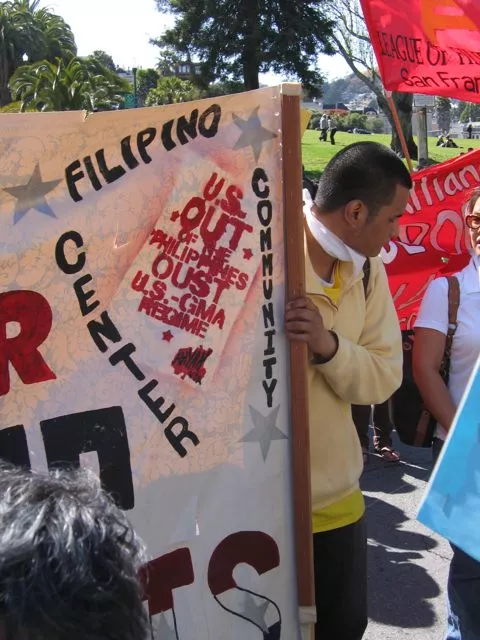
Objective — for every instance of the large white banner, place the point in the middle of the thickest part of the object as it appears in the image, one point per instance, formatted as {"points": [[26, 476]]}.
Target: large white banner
{"points": [[142, 285]]}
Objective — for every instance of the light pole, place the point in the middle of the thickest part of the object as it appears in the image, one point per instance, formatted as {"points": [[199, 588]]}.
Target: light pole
{"points": [[134, 71]]}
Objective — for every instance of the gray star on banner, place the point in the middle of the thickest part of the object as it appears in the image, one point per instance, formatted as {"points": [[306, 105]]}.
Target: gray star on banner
{"points": [[32, 195], [255, 613], [253, 133], [264, 431], [162, 629]]}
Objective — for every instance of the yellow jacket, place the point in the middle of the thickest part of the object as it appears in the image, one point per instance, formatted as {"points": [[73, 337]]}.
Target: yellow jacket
{"points": [[366, 369]]}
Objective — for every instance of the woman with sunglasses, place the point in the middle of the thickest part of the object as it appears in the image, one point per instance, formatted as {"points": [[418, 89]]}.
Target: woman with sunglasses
{"points": [[429, 346]]}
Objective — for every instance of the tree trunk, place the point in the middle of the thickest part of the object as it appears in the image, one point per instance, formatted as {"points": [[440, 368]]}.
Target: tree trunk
{"points": [[5, 73], [404, 104], [6, 70], [251, 45], [5, 96]]}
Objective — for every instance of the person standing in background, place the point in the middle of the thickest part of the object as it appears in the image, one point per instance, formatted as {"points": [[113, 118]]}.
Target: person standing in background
{"points": [[323, 128], [382, 429], [442, 400], [355, 351], [332, 129]]}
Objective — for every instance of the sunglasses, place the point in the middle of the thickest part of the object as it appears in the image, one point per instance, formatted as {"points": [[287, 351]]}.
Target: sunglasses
{"points": [[472, 222]]}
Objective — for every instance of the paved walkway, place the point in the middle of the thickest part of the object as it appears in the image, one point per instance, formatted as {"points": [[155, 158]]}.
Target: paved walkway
{"points": [[408, 564]]}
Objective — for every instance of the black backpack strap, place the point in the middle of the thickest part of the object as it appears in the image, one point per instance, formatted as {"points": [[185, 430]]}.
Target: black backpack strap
{"points": [[366, 276]]}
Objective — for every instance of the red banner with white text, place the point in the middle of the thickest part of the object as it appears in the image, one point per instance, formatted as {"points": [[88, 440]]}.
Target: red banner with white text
{"points": [[432, 240], [427, 46]]}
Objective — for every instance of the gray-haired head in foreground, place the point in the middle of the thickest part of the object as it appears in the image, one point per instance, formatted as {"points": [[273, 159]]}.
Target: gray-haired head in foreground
{"points": [[68, 560], [365, 171]]}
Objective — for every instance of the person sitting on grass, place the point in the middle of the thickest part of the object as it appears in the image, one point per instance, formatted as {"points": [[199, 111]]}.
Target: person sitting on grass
{"points": [[450, 143]]}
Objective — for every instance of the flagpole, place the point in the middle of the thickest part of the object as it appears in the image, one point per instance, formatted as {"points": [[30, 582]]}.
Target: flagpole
{"points": [[398, 126], [300, 440]]}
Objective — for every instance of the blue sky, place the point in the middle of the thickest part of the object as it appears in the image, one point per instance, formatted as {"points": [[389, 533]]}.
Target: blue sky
{"points": [[123, 29]]}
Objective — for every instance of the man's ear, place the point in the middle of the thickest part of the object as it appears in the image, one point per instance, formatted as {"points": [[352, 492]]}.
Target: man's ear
{"points": [[355, 214]]}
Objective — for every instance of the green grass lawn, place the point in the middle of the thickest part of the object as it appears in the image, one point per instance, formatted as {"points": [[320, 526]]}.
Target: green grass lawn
{"points": [[316, 154]]}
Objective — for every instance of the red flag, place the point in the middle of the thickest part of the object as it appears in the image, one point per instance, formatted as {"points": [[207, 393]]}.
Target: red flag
{"points": [[432, 240], [427, 46]]}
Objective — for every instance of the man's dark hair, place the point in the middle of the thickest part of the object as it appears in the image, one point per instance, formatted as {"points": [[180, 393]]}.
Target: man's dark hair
{"points": [[68, 560], [365, 171]]}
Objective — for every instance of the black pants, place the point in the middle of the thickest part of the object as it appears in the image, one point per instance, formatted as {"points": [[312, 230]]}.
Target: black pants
{"points": [[323, 135], [437, 446], [382, 426], [340, 558]]}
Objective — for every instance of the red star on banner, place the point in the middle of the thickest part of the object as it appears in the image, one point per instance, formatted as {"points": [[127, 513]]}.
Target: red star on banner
{"points": [[247, 254], [167, 336]]}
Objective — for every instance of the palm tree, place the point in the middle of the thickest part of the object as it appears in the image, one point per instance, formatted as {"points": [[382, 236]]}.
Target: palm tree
{"points": [[29, 32], [170, 90], [18, 34], [61, 86], [59, 41]]}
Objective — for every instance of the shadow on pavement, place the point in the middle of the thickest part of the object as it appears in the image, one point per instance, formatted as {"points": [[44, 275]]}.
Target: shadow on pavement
{"points": [[400, 589], [388, 477]]}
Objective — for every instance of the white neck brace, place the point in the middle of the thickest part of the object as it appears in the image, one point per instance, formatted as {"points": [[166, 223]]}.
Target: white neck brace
{"points": [[329, 242]]}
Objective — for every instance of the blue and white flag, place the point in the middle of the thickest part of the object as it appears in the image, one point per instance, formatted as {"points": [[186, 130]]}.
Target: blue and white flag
{"points": [[451, 506]]}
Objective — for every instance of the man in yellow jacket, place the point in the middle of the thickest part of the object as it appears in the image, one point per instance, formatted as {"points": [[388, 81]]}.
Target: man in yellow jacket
{"points": [[355, 353]]}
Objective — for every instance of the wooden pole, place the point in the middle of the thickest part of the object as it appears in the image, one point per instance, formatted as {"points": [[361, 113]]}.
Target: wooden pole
{"points": [[300, 442], [399, 129]]}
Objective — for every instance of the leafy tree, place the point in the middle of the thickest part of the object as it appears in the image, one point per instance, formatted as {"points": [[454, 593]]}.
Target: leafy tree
{"points": [[239, 39], [170, 90], [169, 58], [33, 33], [352, 121], [357, 120], [60, 86], [457, 108], [443, 107], [471, 112], [18, 35], [376, 125], [105, 59], [146, 80], [224, 88], [352, 42], [333, 91], [59, 41], [95, 67], [314, 122]]}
